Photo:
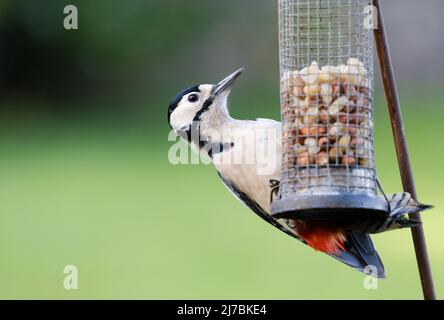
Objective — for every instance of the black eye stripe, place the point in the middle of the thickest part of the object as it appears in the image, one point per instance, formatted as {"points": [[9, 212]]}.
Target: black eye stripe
{"points": [[204, 109]]}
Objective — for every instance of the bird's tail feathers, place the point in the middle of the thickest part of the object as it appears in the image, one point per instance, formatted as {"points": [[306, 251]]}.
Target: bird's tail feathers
{"points": [[360, 254], [402, 204]]}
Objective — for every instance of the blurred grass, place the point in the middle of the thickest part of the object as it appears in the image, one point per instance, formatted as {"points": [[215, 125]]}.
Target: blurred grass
{"points": [[107, 201]]}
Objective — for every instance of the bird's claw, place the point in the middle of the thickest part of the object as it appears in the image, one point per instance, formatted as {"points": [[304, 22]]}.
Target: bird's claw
{"points": [[274, 185]]}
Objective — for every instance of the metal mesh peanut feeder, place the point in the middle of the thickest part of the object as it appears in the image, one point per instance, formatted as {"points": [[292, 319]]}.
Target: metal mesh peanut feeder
{"points": [[326, 72]]}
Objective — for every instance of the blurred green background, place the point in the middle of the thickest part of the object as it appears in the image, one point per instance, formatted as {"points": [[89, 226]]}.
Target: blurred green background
{"points": [[84, 174]]}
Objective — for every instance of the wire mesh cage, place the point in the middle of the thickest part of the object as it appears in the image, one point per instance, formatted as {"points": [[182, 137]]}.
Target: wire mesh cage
{"points": [[326, 72]]}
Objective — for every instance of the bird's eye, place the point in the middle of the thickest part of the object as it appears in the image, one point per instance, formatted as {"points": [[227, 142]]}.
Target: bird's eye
{"points": [[193, 97]]}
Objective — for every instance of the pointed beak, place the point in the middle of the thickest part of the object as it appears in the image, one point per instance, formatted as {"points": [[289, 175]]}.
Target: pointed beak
{"points": [[226, 83]]}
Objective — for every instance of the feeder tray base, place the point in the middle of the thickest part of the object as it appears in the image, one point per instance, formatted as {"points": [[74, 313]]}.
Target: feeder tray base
{"points": [[346, 208]]}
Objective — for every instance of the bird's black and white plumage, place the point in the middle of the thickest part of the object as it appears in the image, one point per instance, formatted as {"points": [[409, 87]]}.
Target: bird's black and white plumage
{"points": [[247, 156]]}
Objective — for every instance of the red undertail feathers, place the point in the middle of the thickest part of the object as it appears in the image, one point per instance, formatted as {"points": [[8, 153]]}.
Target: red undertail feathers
{"points": [[320, 237]]}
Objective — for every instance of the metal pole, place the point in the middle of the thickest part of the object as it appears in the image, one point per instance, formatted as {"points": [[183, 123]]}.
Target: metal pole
{"points": [[405, 169]]}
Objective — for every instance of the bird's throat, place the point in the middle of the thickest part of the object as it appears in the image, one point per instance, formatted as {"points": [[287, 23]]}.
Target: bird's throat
{"points": [[213, 131]]}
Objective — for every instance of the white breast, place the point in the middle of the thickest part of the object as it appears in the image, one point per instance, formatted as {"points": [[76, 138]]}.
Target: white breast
{"points": [[254, 159]]}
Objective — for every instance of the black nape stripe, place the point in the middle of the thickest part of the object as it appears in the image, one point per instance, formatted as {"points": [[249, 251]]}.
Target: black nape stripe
{"points": [[213, 148], [178, 97]]}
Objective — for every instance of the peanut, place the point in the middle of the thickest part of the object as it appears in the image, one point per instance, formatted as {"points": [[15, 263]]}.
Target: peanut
{"points": [[350, 74], [344, 141], [364, 86], [310, 74], [326, 92], [367, 123], [337, 105], [350, 90], [348, 160], [298, 91], [323, 116], [322, 158], [352, 130], [336, 87], [328, 73], [363, 101], [353, 62], [336, 129], [311, 115], [313, 101], [299, 149], [312, 130], [300, 105], [323, 142], [312, 145], [298, 122], [305, 159], [325, 77], [335, 152], [311, 89], [354, 142], [363, 148]]}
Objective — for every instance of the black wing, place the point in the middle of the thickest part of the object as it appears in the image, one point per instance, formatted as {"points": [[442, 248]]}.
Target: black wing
{"points": [[254, 206]]}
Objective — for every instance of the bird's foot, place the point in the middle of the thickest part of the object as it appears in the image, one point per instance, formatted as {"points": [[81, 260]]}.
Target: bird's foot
{"points": [[274, 185]]}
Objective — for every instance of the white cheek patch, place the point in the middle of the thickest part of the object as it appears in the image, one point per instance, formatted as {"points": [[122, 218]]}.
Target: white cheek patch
{"points": [[183, 115], [186, 111]]}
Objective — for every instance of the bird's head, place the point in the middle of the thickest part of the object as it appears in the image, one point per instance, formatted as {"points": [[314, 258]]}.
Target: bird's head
{"points": [[191, 104]]}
